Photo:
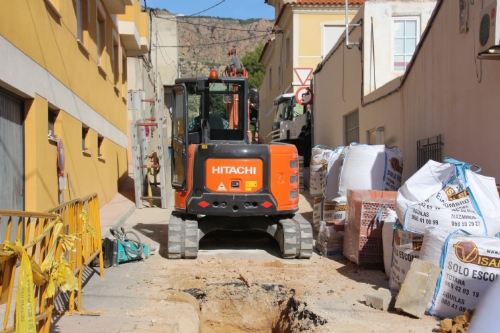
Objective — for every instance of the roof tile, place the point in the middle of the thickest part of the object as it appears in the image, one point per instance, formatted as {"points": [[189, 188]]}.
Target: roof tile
{"points": [[324, 2], [327, 2]]}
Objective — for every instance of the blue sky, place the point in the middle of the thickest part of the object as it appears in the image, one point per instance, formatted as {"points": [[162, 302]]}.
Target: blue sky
{"points": [[240, 9]]}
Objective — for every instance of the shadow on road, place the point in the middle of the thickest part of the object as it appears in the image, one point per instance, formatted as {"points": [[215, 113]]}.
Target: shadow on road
{"points": [[214, 241]]}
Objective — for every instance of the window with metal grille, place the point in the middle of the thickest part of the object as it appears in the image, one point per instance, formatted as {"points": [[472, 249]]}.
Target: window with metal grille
{"points": [[351, 125], [429, 149]]}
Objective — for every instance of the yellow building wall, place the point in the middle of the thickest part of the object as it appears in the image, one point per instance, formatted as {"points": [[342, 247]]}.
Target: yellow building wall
{"points": [[49, 38], [87, 172], [51, 42], [40, 156], [136, 15]]}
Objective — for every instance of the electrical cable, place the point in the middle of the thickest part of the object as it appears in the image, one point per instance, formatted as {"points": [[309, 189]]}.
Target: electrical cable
{"points": [[205, 10], [217, 43], [121, 236], [479, 76], [161, 51], [209, 26], [373, 54], [343, 70]]}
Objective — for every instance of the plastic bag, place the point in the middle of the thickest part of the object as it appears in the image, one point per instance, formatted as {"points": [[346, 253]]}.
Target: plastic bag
{"points": [[25, 298]]}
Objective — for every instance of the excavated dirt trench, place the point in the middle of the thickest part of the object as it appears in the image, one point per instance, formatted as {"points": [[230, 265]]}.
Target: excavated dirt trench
{"points": [[256, 308]]}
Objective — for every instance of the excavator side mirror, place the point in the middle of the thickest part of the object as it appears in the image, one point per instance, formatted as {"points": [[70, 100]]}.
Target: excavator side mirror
{"points": [[254, 95]]}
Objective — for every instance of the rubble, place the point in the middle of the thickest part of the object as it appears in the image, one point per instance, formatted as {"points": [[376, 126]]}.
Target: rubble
{"points": [[459, 324], [380, 299]]}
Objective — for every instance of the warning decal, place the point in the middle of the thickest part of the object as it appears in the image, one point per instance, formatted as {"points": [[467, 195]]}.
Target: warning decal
{"points": [[221, 187], [250, 183]]}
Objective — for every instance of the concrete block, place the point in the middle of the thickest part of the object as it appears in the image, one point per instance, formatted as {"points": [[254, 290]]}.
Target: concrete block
{"points": [[418, 288], [380, 299]]}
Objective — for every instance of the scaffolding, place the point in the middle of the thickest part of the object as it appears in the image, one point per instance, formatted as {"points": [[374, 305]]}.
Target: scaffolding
{"points": [[150, 149]]}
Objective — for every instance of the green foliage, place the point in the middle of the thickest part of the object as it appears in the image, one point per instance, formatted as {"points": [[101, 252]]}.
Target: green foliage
{"points": [[219, 107], [255, 69]]}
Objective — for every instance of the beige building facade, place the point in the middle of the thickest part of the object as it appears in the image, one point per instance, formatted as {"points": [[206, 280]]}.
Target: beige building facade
{"points": [[304, 32], [445, 92], [155, 72]]}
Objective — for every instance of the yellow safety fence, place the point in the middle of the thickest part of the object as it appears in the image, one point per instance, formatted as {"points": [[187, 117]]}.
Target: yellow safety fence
{"points": [[57, 246]]}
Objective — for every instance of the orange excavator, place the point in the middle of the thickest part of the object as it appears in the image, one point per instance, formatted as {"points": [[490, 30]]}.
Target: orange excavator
{"points": [[221, 180]]}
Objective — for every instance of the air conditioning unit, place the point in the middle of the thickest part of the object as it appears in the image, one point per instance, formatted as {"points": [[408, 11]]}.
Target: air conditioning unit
{"points": [[489, 32]]}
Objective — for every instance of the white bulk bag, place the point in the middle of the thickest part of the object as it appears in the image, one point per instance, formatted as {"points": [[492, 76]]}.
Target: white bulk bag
{"points": [[394, 169], [363, 168], [387, 239], [449, 196], [317, 213], [332, 173], [406, 248], [328, 210], [470, 264], [319, 158], [340, 208]]}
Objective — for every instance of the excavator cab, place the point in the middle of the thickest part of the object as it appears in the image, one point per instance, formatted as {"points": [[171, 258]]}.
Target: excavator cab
{"points": [[221, 180], [206, 111]]}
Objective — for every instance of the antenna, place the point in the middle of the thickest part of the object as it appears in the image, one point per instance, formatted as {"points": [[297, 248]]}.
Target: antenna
{"points": [[347, 25]]}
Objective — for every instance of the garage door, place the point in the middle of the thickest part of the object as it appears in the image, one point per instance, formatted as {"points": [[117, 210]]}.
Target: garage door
{"points": [[11, 151]]}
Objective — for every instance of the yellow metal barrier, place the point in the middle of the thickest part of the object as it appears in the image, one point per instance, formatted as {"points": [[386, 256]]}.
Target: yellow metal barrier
{"points": [[91, 238], [77, 218], [33, 225], [81, 217]]}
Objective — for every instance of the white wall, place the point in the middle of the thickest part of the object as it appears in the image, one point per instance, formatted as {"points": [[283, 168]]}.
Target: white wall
{"points": [[382, 13], [339, 88], [166, 54], [451, 93], [446, 91]]}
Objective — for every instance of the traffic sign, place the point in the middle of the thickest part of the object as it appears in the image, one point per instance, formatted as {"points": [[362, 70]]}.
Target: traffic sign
{"points": [[303, 74], [304, 96]]}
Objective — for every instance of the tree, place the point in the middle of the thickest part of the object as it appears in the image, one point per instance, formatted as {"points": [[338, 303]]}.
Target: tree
{"points": [[254, 68]]}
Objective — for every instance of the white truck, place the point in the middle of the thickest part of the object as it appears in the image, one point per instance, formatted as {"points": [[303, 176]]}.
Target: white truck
{"points": [[289, 122]]}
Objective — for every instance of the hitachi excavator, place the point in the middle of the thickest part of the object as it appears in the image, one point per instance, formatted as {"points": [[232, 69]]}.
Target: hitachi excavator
{"points": [[221, 180]]}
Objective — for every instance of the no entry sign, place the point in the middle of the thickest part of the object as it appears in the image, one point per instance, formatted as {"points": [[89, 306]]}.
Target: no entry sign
{"points": [[304, 96]]}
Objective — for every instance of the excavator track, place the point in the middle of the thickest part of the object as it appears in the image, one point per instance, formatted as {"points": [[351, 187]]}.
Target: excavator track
{"points": [[182, 237], [295, 238], [294, 234]]}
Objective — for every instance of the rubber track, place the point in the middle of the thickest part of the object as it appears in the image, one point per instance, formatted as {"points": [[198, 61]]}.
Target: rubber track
{"points": [[297, 238], [182, 238], [191, 239]]}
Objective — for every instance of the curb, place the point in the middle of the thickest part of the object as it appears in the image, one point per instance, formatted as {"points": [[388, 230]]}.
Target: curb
{"points": [[119, 221]]}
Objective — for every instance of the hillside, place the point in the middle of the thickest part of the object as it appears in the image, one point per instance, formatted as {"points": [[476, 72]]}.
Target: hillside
{"points": [[212, 37]]}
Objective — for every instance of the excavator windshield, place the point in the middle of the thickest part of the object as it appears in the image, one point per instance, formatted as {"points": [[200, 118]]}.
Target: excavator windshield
{"points": [[222, 109]]}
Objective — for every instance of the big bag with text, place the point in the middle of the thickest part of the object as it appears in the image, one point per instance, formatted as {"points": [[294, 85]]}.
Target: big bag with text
{"points": [[449, 196]]}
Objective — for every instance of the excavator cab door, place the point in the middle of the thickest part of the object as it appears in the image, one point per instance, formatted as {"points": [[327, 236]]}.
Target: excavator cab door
{"points": [[179, 138]]}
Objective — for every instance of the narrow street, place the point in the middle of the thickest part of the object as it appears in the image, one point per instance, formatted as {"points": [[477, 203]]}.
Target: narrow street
{"points": [[239, 283]]}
